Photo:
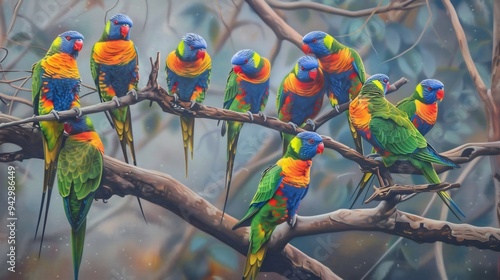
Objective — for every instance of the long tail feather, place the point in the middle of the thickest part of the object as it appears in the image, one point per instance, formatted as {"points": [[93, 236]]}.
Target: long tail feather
{"points": [[431, 176], [49, 194], [187, 127], [77, 244], [254, 262], [367, 177], [231, 154], [40, 213], [358, 141], [125, 135]]}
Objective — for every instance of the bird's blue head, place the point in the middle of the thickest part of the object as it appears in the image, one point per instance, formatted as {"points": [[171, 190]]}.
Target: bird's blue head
{"points": [[379, 80], [306, 68], [306, 145], [78, 125], [247, 62], [192, 47], [70, 42], [317, 43], [118, 27], [430, 90]]}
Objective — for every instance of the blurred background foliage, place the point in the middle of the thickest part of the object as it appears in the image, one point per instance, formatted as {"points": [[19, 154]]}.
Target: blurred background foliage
{"points": [[417, 44]]}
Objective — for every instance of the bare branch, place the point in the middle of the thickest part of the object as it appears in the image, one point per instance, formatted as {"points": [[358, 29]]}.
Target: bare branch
{"points": [[16, 99], [385, 193], [385, 218], [464, 47], [393, 6]]}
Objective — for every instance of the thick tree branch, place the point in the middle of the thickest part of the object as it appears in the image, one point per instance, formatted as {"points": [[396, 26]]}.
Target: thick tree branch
{"points": [[385, 218], [393, 6]]}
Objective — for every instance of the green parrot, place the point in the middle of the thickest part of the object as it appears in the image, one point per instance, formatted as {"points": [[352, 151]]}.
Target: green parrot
{"points": [[79, 173], [394, 136], [278, 196]]}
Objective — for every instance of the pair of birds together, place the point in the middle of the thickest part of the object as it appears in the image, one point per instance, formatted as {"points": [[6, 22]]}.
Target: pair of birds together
{"points": [[56, 84]]}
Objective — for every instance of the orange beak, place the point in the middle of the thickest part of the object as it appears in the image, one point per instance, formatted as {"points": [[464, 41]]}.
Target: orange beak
{"points": [[306, 49], [321, 148], [78, 45], [313, 73], [201, 54], [124, 30], [440, 94]]}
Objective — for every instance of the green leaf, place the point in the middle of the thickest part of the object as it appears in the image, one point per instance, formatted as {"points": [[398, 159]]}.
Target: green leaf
{"points": [[411, 63], [394, 40], [429, 68]]}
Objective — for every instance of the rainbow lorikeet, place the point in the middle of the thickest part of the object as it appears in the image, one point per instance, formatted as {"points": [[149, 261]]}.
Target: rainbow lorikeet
{"points": [[115, 68], [278, 196], [247, 90], [55, 87], [422, 110], [343, 69], [188, 75], [394, 136], [79, 174], [300, 95]]}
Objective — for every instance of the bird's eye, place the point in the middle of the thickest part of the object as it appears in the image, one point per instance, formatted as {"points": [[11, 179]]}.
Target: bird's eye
{"points": [[191, 47], [68, 38], [385, 80], [311, 141], [246, 60], [429, 88], [302, 68], [314, 40], [115, 22]]}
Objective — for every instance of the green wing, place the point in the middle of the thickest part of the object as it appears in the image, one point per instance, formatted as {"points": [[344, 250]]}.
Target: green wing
{"points": [[80, 166], [280, 97], [94, 70], [408, 106], [358, 66], [36, 85], [269, 182], [232, 89]]}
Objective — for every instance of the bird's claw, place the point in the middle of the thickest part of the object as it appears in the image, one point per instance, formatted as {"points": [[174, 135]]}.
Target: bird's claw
{"points": [[176, 97], [375, 155], [192, 104], [134, 93], [116, 100], [311, 123], [337, 108], [292, 221], [56, 114], [294, 126], [78, 112], [250, 115], [263, 115]]}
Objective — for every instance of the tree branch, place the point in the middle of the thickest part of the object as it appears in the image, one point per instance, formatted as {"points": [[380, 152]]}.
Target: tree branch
{"points": [[385, 218], [393, 6], [387, 192]]}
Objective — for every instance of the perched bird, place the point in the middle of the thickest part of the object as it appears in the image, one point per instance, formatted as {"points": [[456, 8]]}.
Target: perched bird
{"points": [[79, 173], [188, 75], [55, 87], [300, 95], [247, 90], [115, 68], [394, 136], [343, 69], [278, 196], [421, 108]]}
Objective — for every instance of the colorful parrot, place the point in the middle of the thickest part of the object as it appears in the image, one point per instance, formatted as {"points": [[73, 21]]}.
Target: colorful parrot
{"points": [[394, 136], [247, 90], [79, 173], [343, 69], [300, 95], [55, 87], [115, 68], [278, 196], [422, 110], [188, 75]]}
